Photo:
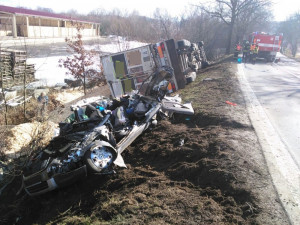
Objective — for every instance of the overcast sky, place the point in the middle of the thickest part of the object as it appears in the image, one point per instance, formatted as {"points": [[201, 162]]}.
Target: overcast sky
{"points": [[281, 8]]}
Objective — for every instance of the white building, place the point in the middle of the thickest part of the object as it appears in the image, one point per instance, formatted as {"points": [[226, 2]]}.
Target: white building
{"points": [[19, 22]]}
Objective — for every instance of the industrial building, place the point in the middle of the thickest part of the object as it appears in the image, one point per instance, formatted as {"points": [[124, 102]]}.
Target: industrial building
{"points": [[20, 22]]}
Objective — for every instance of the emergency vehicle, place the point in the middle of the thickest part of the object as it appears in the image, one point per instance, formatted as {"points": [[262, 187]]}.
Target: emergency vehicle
{"points": [[269, 44]]}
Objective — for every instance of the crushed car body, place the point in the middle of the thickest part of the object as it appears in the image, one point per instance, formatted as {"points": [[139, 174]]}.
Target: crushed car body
{"points": [[92, 139]]}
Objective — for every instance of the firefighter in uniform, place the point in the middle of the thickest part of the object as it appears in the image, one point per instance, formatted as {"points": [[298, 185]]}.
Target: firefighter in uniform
{"points": [[255, 53], [246, 49], [237, 50], [251, 52]]}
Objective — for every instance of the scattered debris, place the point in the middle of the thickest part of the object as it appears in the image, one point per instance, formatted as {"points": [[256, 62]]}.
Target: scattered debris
{"points": [[191, 77], [181, 142], [93, 137], [231, 103]]}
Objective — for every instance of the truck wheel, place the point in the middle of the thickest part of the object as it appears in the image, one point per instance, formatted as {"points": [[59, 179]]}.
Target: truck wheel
{"points": [[269, 59], [98, 158]]}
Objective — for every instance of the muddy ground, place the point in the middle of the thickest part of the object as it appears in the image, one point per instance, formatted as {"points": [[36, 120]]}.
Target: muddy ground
{"points": [[218, 176]]}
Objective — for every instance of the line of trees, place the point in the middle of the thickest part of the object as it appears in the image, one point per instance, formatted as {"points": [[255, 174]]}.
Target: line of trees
{"points": [[196, 25], [291, 30], [219, 23], [238, 15]]}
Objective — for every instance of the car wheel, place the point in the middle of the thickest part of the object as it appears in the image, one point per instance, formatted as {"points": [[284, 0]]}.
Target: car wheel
{"points": [[98, 158]]}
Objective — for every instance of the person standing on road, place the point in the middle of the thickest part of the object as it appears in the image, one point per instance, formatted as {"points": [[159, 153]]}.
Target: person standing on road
{"points": [[246, 49], [251, 52], [237, 50], [255, 53]]}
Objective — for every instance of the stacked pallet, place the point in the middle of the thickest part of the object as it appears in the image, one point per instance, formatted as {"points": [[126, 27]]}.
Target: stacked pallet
{"points": [[5, 68], [30, 71], [13, 68]]}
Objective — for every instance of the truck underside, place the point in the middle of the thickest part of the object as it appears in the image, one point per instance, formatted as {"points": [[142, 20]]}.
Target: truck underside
{"points": [[269, 56]]}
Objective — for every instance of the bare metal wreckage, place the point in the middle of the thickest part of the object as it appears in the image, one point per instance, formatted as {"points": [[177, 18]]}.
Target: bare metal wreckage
{"points": [[93, 137]]}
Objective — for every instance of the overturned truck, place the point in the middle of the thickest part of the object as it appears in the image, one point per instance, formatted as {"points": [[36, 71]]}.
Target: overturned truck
{"points": [[128, 70]]}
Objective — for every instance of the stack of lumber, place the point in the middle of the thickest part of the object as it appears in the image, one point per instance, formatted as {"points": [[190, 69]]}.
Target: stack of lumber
{"points": [[5, 68], [13, 68]]}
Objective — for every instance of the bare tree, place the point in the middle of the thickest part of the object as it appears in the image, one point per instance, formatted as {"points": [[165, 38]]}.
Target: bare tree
{"points": [[79, 64], [253, 19], [230, 11], [132, 26], [291, 30], [197, 26], [43, 9], [164, 23]]}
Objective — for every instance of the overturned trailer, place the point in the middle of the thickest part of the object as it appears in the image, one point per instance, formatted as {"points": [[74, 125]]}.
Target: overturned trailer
{"points": [[128, 70]]}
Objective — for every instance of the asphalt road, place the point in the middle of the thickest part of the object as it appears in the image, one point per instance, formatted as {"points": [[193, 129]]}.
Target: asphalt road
{"points": [[277, 88], [271, 92]]}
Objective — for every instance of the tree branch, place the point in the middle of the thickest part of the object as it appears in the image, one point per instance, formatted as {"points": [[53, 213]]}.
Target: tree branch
{"points": [[224, 2]]}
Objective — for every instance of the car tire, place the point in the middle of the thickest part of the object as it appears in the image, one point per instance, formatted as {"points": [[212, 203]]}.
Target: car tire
{"points": [[99, 159]]}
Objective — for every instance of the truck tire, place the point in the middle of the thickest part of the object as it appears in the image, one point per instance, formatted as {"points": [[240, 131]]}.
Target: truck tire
{"points": [[270, 58]]}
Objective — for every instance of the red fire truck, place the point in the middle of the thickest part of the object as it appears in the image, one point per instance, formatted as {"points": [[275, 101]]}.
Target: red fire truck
{"points": [[269, 44]]}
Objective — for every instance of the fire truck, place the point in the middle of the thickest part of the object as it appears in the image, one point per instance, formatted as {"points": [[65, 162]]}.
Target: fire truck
{"points": [[269, 44]]}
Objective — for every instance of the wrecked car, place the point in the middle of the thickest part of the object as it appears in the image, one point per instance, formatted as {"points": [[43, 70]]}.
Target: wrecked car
{"points": [[92, 139]]}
